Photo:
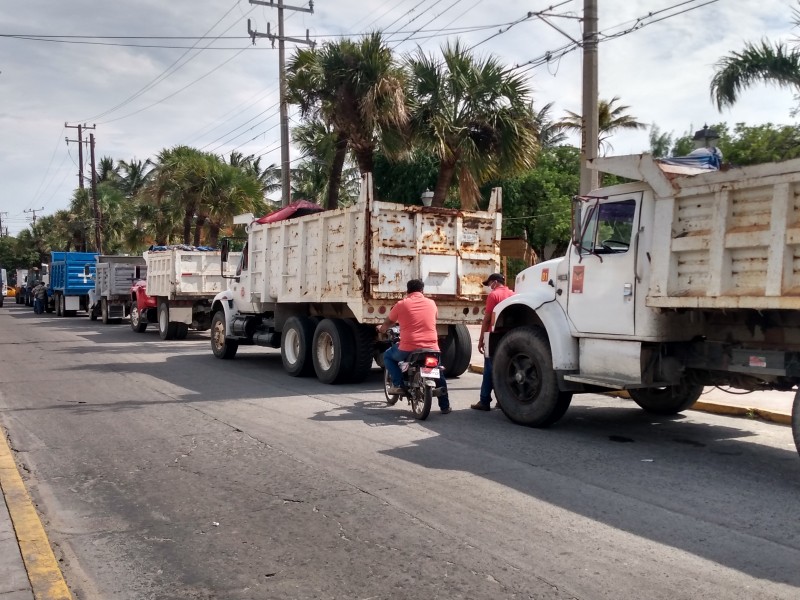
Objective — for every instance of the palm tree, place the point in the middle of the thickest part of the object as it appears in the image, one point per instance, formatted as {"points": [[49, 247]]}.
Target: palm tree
{"points": [[229, 192], [611, 119], [550, 133], [762, 62], [134, 174], [357, 89], [660, 143], [473, 115]]}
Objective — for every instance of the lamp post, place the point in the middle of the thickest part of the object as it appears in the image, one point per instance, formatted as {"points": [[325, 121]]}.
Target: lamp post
{"points": [[426, 197], [705, 138]]}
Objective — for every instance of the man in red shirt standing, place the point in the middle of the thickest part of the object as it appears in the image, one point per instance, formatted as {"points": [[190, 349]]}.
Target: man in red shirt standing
{"points": [[416, 315], [498, 292]]}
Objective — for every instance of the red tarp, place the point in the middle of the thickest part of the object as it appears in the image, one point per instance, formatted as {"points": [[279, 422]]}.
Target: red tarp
{"points": [[298, 208]]}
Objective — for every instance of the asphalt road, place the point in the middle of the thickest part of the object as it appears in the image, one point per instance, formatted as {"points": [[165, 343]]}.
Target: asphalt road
{"points": [[162, 472]]}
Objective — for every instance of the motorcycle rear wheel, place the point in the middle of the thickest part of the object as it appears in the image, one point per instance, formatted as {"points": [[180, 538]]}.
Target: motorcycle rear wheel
{"points": [[391, 399], [421, 397]]}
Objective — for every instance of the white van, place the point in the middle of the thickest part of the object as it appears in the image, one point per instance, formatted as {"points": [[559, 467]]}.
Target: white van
{"points": [[3, 286]]}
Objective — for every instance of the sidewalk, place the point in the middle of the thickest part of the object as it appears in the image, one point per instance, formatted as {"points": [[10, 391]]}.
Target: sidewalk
{"points": [[768, 405]]}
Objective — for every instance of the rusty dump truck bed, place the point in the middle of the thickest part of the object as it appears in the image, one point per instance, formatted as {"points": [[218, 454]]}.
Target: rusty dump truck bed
{"points": [[722, 239]]}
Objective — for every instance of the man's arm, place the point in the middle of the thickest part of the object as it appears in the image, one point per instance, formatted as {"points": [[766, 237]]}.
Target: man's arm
{"points": [[384, 327], [487, 319]]}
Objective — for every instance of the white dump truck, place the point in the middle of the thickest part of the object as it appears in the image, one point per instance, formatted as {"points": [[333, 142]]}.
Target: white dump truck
{"points": [[114, 276], [181, 283], [682, 279], [316, 285]]}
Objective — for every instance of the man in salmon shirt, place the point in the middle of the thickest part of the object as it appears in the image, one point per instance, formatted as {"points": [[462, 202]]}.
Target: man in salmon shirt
{"points": [[416, 315], [498, 292]]}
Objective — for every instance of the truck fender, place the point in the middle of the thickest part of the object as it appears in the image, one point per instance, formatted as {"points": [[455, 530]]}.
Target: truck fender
{"points": [[224, 301], [539, 308]]}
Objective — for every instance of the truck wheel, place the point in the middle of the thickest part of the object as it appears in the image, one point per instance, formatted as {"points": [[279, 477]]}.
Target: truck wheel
{"points": [[92, 314], [364, 342], [221, 346], [669, 400], [457, 351], [296, 341], [138, 324], [166, 330], [525, 383], [103, 311], [181, 331], [332, 351], [59, 305], [796, 420]]}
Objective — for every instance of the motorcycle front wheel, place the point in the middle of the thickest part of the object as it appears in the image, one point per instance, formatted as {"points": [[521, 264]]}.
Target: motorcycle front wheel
{"points": [[421, 397]]}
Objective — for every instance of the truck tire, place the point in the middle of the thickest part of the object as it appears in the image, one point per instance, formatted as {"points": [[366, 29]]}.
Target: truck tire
{"points": [[456, 351], [59, 305], [221, 346], [796, 420], [525, 383], [181, 331], [92, 314], [333, 354], [103, 311], [296, 341], [138, 324], [364, 346], [669, 400], [166, 330]]}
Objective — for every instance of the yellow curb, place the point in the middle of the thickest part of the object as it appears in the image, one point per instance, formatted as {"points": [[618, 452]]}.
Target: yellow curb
{"points": [[44, 575]]}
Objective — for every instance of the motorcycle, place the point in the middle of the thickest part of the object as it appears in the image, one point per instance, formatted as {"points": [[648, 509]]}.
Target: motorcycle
{"points": [[421, 370]]}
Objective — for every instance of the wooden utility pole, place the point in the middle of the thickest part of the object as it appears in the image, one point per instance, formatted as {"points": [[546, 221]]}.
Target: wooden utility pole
{"points": [[590, 131], [34, 211], [95, 204], [3, 214], [80, 142], [285, 180]]}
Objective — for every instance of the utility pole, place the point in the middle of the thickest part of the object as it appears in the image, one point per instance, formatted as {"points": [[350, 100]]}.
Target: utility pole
{"points": [[95, 205], [34, 211], [285, 181], [80, 142], [3, 214], [590, 131]]}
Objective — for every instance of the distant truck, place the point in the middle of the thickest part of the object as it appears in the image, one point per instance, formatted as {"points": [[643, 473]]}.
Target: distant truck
{"points": [[114, 275], [72, 277], [682, 279], [20, 285], [3, 286], [181, 283], [316, 285]]}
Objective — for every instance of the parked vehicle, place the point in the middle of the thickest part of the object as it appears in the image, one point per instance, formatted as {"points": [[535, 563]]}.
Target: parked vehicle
{"points": [[72, 277], [183, 282], [143, 308], [3, 286], [19, 286], [420, 374], [110, 300], [316, 285], [683, 279]]}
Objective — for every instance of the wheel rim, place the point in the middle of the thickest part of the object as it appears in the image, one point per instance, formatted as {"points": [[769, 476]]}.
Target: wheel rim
{"points": [[291, 347], [218, 334], [163, 323], [524, 379], [325, 351], [417, 392], [135, 315], [387, 383]]}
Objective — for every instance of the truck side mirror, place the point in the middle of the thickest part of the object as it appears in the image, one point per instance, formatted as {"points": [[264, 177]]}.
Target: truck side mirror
{"points": [[577, 232], [224, 248]]}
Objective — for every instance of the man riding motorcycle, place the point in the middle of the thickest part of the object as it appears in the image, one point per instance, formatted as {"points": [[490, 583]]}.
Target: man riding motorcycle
{"points": [[416, 316]]}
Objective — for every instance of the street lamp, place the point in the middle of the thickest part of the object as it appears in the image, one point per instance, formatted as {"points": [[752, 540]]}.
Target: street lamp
{"points": [[426, 197], [705, 138]]}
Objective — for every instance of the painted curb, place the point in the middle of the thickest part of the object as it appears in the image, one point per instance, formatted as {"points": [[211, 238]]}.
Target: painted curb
{"points": [[44, 575], [709, 407]]}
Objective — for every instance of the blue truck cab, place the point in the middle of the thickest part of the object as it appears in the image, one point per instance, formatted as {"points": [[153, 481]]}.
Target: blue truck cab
{"points": [[72, 276]]}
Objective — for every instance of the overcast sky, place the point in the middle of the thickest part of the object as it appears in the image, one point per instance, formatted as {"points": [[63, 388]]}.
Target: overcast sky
{"points": [[222, 95]]}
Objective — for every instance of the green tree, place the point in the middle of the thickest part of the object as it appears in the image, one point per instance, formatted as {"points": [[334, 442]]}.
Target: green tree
{"points": [[474, 115], [611, 119], [356, 88], [659, 142], [750, 144]]}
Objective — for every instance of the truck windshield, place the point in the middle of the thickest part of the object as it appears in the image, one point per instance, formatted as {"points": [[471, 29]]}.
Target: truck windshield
{"points": [[609, 227]]}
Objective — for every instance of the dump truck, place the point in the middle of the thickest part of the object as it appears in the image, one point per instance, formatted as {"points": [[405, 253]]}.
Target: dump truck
{"points": [[71, 278], [20, 286], [682, 279], [114, 275], [316, 285], [182, 282]]}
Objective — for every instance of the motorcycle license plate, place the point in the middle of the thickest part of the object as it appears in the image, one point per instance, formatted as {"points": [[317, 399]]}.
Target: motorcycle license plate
{"points": [[431, 373]]}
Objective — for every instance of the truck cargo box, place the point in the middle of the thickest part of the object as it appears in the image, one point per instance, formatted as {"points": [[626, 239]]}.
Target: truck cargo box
{"points": [[116, 274], [73, 273], [177, 273]]}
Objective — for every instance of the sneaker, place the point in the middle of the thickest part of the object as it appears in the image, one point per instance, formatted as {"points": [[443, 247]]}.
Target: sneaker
{"points": [[480, 406], [447, 411]]}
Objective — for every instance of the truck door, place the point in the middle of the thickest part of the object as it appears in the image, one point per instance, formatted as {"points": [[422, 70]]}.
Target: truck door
{"points": [[602, 277]]}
